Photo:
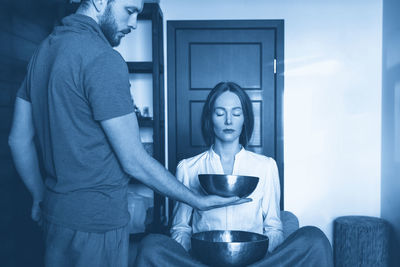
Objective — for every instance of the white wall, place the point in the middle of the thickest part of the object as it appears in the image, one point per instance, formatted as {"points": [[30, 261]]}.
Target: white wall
{"points": [[332, 99]]}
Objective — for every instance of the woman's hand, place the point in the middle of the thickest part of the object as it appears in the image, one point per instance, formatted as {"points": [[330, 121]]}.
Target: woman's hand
{"points": [[213, 201]]}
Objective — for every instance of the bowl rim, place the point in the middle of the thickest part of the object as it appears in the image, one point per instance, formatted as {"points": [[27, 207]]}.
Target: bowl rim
{"points": [[265, 238], [227, 175]]}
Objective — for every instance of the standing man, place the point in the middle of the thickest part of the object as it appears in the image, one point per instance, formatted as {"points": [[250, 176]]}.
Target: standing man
{"points": [[75, 99]]}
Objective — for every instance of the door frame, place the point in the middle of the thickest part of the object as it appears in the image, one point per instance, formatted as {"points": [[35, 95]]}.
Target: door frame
{"points": [[278, 27]]}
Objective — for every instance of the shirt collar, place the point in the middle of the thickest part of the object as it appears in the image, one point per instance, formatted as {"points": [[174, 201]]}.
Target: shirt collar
{"points": [[215, 155], [79, 22]]}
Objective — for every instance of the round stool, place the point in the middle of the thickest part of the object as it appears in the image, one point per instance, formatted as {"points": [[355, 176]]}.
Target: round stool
{"points": [[361, 241]]}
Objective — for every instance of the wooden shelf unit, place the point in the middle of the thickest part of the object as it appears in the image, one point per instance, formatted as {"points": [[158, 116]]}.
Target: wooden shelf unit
{"points": [[152, 11]]}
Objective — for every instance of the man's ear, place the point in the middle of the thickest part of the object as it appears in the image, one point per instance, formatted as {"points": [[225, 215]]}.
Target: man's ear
{"points": [[100, 5]]}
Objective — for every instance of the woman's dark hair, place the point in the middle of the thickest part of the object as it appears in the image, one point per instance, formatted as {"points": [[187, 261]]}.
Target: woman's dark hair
{"points": [[207, 127]]}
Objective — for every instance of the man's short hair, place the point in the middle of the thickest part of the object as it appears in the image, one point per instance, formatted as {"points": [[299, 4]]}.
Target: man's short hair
{"points": [[207, 127], [86, 3]]}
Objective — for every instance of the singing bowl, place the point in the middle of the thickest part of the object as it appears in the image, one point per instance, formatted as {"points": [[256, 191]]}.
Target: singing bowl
{"points": [[229, 248], [228, 185]]}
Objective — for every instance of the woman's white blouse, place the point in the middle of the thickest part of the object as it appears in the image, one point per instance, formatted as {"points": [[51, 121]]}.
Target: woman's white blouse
{"points": [[260, 215]]}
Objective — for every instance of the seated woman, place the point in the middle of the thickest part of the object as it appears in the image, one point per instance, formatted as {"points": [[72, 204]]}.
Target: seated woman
{"points": [[227, 125]]}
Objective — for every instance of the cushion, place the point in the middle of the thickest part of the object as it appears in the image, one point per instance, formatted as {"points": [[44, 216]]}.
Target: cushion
{"points": [[290, 223]]}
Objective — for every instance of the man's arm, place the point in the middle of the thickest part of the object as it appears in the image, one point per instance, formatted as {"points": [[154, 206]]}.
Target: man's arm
{"points": [[123, 133], [23, 150]]}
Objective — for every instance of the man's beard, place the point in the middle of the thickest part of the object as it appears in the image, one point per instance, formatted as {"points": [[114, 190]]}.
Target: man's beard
{"points": [[109, 27]]}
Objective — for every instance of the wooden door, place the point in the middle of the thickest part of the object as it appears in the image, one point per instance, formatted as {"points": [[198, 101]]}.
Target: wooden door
{"points": [[204, 53]]}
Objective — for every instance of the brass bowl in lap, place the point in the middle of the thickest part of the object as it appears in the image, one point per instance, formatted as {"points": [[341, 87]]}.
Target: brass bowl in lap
{"points": [[229, 248]]}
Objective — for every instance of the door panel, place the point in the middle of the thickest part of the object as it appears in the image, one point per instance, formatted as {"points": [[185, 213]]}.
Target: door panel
{"points": [[230, 59], [207, 57], [204, 53]]}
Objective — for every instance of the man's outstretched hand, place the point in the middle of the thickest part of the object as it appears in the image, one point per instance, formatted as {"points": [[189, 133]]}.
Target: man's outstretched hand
{"points": [[213, 201]]}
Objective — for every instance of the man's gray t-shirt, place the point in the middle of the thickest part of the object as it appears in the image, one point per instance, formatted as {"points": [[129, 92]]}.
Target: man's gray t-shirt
{"points": [[75, 80]]}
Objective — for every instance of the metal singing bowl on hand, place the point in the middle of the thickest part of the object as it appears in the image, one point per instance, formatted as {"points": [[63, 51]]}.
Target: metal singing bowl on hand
{"points": [[228, 185], [229, 248]]}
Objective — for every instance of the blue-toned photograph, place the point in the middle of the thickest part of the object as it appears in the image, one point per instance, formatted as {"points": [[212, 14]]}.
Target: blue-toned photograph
{"points": [[139, 133]]}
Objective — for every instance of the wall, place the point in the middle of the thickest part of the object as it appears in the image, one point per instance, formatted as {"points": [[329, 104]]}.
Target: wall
{"points": [[390, 200], [332, 99]]}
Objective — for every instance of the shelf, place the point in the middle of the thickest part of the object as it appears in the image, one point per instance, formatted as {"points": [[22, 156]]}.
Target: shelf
{"points": [[145, 122], [140, 67]]}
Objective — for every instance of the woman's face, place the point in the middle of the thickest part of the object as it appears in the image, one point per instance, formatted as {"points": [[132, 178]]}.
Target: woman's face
{"points": [[227, 117]]}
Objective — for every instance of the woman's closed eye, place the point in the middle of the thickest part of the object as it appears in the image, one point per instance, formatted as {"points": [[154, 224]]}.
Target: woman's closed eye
{"points": [[237, 112], [219, 112]]}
